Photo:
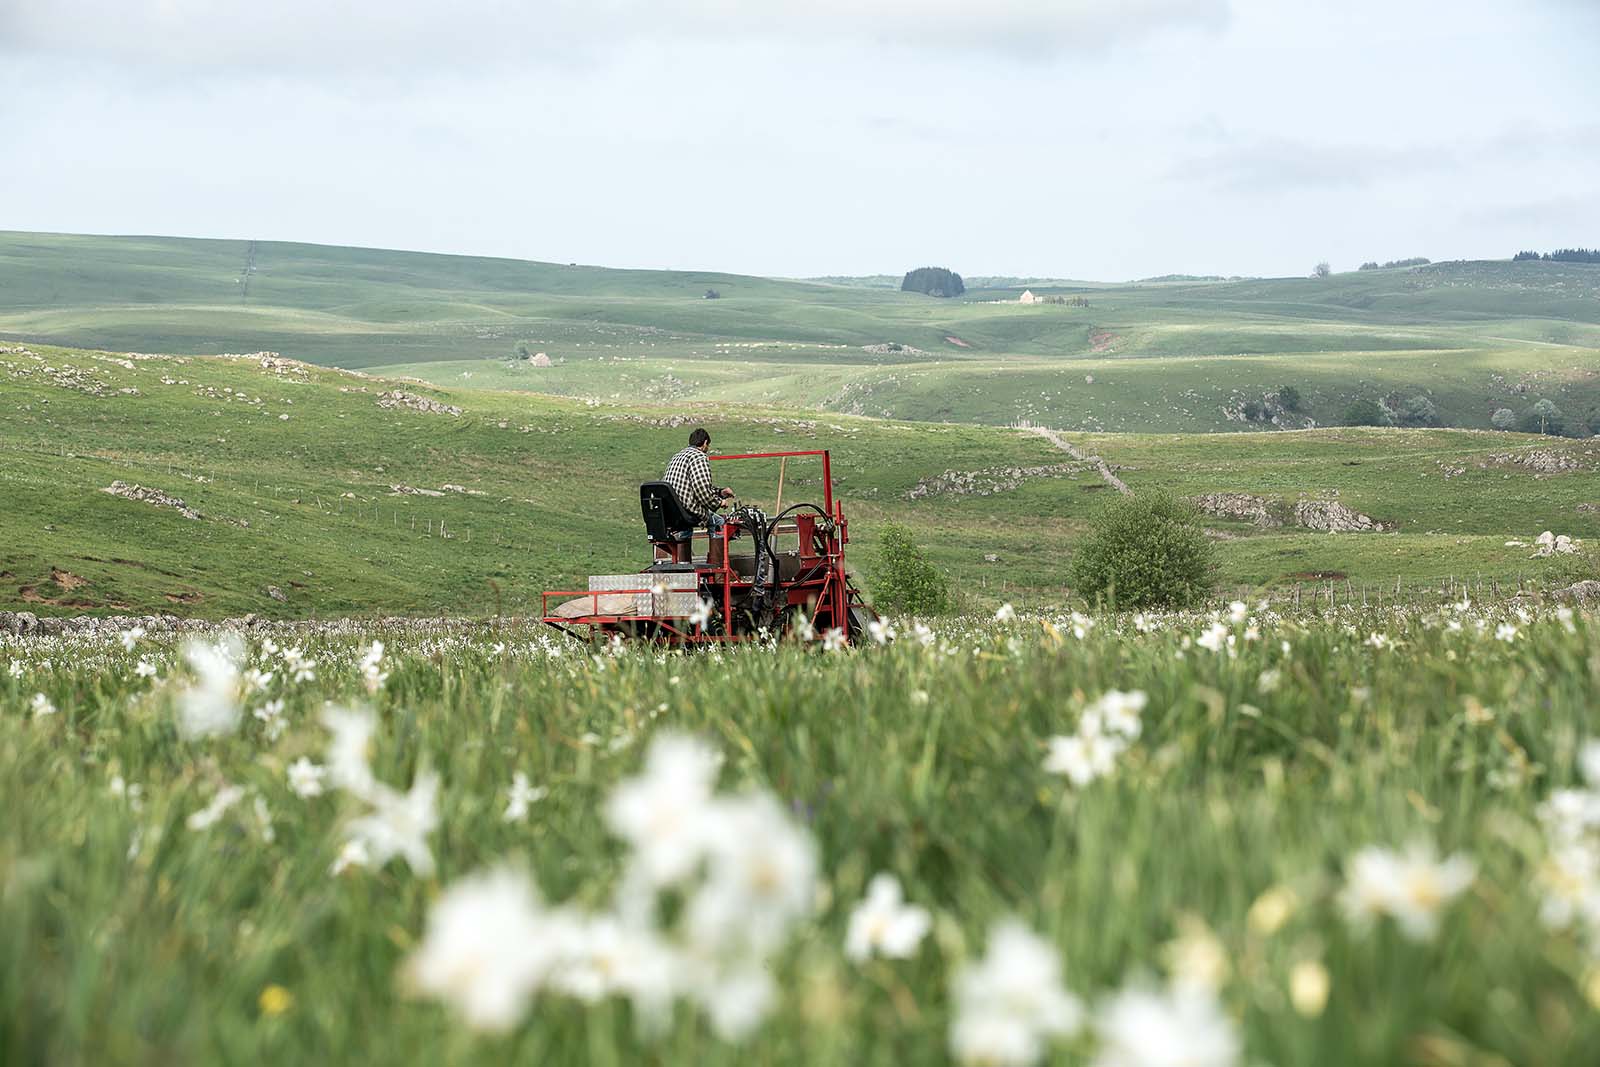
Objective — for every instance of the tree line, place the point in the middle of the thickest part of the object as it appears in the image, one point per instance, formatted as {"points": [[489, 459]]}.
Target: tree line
{"points": [[1561, 255], [1415, 261], [934, 281]]}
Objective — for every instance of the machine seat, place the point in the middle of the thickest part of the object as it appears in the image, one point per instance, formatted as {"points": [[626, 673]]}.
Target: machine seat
{"points": [[666, 521]]}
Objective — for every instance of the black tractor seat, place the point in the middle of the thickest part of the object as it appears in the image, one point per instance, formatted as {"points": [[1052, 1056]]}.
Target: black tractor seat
{"points": [[667, 523]]}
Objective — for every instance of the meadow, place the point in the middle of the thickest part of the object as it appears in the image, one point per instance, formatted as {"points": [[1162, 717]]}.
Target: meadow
{"points": [[314, 499], [1247, 837], [1157, 358]]}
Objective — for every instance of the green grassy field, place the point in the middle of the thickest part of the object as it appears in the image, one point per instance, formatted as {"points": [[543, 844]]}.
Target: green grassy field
{"points": [[1162, 357], [176, 897], [306, 485]]}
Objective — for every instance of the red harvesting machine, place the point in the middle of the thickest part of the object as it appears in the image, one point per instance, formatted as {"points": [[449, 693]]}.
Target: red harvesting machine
{"points": [[759, 575]]}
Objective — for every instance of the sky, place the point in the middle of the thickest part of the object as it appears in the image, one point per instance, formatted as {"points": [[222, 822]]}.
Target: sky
{"points": [[1096, 139]]}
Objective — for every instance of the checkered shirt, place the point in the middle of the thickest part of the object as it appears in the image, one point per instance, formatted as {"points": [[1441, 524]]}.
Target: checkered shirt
{"points": [[689, 474]]}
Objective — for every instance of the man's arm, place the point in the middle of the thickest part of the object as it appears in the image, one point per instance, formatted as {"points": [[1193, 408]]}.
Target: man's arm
{"points": [[706, 495]]}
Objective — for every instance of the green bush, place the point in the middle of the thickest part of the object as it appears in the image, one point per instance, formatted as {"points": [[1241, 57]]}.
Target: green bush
{"points": [[1144, 551], [904, 580], [1364, 413]]}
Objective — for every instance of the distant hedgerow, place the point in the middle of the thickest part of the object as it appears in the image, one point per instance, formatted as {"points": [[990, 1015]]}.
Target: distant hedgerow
{"points": [[1144, 551], [905, 581]]}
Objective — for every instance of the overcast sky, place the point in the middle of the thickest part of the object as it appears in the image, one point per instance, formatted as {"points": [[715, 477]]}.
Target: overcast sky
{"points": [[1102, 139]]}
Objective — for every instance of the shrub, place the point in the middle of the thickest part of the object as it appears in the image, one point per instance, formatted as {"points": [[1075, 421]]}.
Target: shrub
{"points": [[1289, 397], [1144, 551], [1419, 411], [1503, 419], [1364, 413], [934, 281], [1543, 417], [905, 580]]}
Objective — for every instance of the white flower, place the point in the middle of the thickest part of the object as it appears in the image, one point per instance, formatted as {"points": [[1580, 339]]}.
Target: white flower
{"points": [[1505, 632], [305, 778], [1008, 1003], [399, 823], [1006, 613], [884, 924], [14, 668], [299, 666], [735, 998], [1213, 638], [258, 805], [207, 817], [924, 634], [144, 669], [1269, 680], [41, 706], [761, 876], [1589, 763], [663, 813], [1118, 712], [1410, 887], [1083, 757], [486, 949], [701, 615], [1238, 611], [603, 956], [256, 679], [1378, 641], [130, 637], [271, 716], [802, 629], [834, 640], [1182, 1026], [349, 753], [352, 854], [209, 707], [372, 668], [520, 795], [881, 631]]}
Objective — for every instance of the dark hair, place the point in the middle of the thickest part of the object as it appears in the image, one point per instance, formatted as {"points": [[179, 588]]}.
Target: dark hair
{"points": [[699, 437]]}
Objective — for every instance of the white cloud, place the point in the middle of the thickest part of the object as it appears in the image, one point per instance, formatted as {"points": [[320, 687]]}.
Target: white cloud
{"points": [[361, 33]]}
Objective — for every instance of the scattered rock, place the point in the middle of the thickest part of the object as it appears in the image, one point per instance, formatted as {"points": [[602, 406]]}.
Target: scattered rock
{"points": [[894, 348], [1538, 460], [538, 359], [1585, 592], [411, 490], [1549, 544], [277, 594], [988, 481], [150, 496], [397, 399]]}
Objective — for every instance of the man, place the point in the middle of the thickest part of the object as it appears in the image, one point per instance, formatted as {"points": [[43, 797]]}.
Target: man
{"points": [[689, 475]]}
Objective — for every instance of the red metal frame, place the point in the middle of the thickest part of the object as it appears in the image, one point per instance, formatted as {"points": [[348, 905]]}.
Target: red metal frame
{"points": [[821, 587]]}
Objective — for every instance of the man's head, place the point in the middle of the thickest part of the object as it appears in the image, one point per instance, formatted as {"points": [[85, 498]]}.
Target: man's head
{"points": [[700, 439]]}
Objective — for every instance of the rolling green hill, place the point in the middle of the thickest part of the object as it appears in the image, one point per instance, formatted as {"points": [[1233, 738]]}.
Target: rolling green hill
{"points": [[1162, 357], [304, 483]]}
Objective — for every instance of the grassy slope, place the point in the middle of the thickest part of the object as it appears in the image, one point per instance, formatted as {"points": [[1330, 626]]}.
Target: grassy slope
{"points": [[1164, 357], [558, 500]]}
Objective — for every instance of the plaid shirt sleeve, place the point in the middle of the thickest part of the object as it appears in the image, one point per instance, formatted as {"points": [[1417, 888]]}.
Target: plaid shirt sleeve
{"points": [[689, 474]]}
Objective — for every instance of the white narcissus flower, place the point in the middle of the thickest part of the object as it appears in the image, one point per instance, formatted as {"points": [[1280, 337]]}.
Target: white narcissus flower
{"points": [[881, 631], [701, 615], [305, 778], [130, 637], [350, 751], [1083, 757], [1006, 613], [1410, 887], [399, 823], [520, 796], [664, 812], [485, 951], [1214, 638], [1117, 712], [802, 629], [14, 668], [883, 924], [1182, 1026], [42, 706], [1238, 611], [209, 706], [144, 669], [1589, 763], [207, 817], [1010, 1002], [761, 876], [834, 640], [602, 956], [352, 854]]}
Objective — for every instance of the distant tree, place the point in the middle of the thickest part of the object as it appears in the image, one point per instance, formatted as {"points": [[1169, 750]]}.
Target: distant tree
{"points": [[712, 294], [1144, 551], [523, 351], [1523, 257], [1419, 411], [1254, 410], [1562, 255], [1289, 397], [1321, 270], [1503, 419], [1543, 417], [1364, 412], [1369, 265], [934, 281], [905, 580]]}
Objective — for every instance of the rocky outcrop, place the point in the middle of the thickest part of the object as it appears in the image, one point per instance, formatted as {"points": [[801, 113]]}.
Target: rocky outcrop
{"points": [[399, 400], [146, 495], [988, 481], [1584, 593], [1310, 513], [1539, 461]]}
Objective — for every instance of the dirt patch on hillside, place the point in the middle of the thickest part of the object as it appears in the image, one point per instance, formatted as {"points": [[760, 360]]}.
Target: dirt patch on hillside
{"points": [[67, 580], [954, 340], [1103, 340]]}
